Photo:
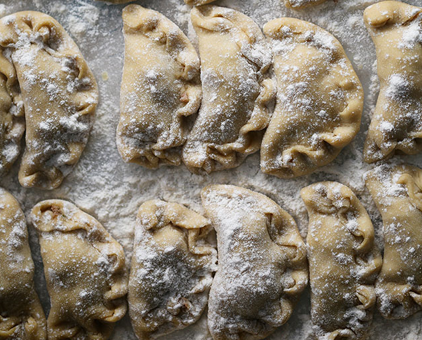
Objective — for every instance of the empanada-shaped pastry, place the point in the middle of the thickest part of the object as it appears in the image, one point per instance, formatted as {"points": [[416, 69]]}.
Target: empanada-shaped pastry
{"points": [[319, 99], [59, 94], [172, 267], [396, 125], [160, 87], [397, 192], [236, 91], [343, 262], [12, 125], [21, 314], [299, 4], [84, 269], [262, 265]]}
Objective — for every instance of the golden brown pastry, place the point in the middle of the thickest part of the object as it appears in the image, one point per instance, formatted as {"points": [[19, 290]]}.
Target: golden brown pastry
{"points": [[262, 263], [396, 126], [319, 99], [160, 88], [300, 4], [397, 192], [236, 91], [172, 269], [343, 262], [84, 269], [21, 314], [59, 94], [12, 125]]}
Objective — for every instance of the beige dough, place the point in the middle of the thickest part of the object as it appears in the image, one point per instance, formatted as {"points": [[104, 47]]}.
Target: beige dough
{"points": [[12, 124], [198, 2], [160, 88], [397, 192], [300, 4], [236, 91], [343, 262], [172, 269], [396, 125], [59, 94], [319, 99], [84, 269], [262, 263], [21, 314]]}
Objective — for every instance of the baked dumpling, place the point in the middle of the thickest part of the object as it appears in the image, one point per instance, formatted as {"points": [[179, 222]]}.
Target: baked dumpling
{"points": [[396, 125], [262, 265], [397, 192], [343, 262], [84, 269], [299, 4], [172, 269], [236, 91], [12, 125], [21, 314], [319, 99], [59, 95], [160, 87]]}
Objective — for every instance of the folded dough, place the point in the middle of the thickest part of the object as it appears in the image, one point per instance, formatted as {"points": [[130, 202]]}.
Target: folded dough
{"points": [[198, 2], [21, 314], [160, 87], [262, 263], [171, 271], [396, 126], [236, 91], [397, 192], [84, 269], [12, 125], [59, 94], [343, 262], [299, 4], [319, 99]]}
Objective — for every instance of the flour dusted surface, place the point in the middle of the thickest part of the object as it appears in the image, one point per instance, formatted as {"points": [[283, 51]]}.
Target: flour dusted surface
{"points": [[112, 191]]}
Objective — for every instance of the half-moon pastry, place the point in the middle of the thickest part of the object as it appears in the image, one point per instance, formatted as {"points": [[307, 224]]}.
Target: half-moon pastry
{"points": [[319, 99], [236, 90], [84, 269], [59, 95], [343, 262], [262, 265], [172, 269], [396, 125], [397, 192], [160, 88], [21, 314]]}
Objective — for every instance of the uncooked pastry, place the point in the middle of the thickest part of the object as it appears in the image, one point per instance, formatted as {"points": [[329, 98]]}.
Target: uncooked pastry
{"points": [[396, 126], [21, 314], [262, 263], [319, 99], [59, 95], [160, 88], [12, 124], [236, 91], [343, 262], [84, 269], [300, 4], [197, 2], [397, 192], [172, 269]]}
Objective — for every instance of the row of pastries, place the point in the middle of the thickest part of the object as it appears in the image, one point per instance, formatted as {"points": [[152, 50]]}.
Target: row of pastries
{"points": [[304, 69], [250, 281], [210, 113]]}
